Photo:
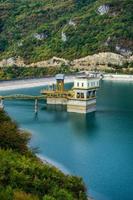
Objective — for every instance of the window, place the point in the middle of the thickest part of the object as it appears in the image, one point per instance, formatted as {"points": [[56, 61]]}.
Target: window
{"points": [[88, 94], [93, 93], [92, 84], [82, 84], [82, 95], [78, 95], [78, 84]]}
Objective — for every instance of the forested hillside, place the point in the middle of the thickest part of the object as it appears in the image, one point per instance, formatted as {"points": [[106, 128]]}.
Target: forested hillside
{"points": [[40, 29]]}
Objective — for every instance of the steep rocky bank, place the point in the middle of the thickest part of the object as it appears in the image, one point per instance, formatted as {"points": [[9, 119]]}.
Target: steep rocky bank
{"points": [[100, 61]]}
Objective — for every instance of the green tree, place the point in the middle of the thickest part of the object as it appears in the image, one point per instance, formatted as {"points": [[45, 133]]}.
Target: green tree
{"points": [[11, 137]]}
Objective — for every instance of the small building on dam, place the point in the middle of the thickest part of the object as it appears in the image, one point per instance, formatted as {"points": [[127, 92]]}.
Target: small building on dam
{"points": [[80, 99]]}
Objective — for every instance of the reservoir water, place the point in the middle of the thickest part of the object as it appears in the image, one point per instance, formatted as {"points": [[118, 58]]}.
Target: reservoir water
{"points": [[98, 147]]}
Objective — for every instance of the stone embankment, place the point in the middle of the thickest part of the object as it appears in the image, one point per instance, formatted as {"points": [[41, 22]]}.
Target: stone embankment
{"points": [[99, 61]]}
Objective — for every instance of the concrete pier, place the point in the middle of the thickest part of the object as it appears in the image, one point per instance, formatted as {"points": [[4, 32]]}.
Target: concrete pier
{"points": [[80, 106], [57, 101]]}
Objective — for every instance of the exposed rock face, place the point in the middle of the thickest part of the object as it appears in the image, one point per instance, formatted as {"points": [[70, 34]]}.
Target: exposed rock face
{"points": [[40, 36], [72, 23], [123, 51], [12, 61], [99, 61], [103, 9], [20, 44], [107, 43], [130, 59], [53, 62], [63, 37]]}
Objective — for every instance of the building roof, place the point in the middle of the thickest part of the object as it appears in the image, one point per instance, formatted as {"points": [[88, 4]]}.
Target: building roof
{"points": [[60, 77], [86, 77]]}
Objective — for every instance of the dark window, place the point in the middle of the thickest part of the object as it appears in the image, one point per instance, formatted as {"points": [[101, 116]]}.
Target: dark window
{"points": [[93, 93], [78, 95], [88, 94], [82, 95]]}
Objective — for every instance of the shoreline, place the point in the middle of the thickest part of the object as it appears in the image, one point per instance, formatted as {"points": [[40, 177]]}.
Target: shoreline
{"points": [[37, 82], [53, 163], [30, 83], [118, 77], [59, 166]]}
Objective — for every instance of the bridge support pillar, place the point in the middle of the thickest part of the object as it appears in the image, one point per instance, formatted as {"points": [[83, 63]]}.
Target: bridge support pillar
{"points": [[2, 103], [36, 105]]}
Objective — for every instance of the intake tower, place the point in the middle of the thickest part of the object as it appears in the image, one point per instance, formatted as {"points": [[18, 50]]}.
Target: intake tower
{"points": [[84, 95], [80, 99]]}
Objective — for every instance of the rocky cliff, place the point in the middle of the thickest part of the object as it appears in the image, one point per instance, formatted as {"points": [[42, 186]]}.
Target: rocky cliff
{"points": [[99, 61]]}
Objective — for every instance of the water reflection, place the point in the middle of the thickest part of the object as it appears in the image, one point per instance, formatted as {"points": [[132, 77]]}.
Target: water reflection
{"points": [[36, 117], [58, 113], [83, 124]]}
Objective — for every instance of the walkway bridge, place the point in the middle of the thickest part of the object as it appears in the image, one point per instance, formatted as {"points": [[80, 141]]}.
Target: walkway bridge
{"points": [[21, 97]]}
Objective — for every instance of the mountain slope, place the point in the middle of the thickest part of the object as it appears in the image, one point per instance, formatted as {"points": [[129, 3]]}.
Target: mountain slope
{"points": [[37, 30]]}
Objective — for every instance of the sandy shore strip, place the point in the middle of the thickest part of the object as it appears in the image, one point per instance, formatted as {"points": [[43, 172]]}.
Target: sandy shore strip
{"points": [[118, 77], [30, 83]]}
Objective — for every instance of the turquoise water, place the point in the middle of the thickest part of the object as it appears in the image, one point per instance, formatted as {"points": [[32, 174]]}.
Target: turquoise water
{"points": [[98, 147]]}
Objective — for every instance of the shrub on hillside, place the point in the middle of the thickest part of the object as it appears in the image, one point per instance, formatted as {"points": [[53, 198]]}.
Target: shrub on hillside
{"points": [[11, 137], [38, 179]]}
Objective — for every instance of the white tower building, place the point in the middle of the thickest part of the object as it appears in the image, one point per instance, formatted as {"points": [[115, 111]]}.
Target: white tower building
{"points": [[84, 95]]}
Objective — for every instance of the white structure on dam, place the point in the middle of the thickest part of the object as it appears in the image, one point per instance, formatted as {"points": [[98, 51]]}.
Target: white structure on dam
{"points": [[80, 99], [84, 98]]}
